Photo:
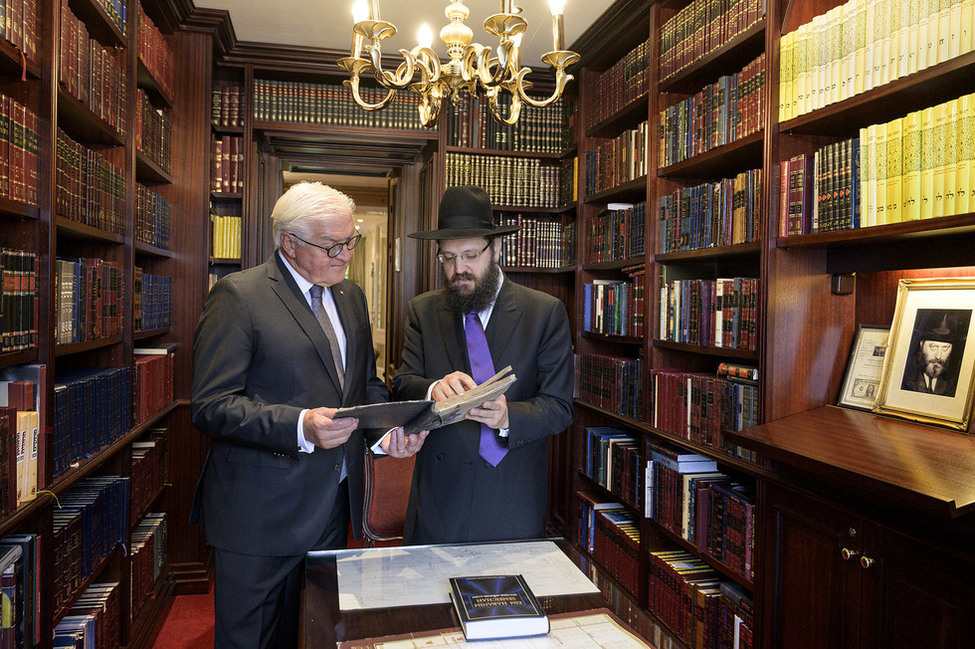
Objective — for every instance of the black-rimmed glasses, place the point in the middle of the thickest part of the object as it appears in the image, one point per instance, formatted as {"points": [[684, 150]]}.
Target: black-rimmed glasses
{"points": [[335, 249], [467, 257]]}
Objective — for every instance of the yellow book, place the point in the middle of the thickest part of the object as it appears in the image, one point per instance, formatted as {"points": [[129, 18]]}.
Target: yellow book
{"points": [[944, 30], [860, 38], [835, 53], [967, 20], [903, 9], [821, 44], [20, 445], [810, 54], [799, 72], [963, 180], [869, 39], [927, 162], [884, 34], [868, 169], [911, 166], [864, 192], [785, 69], [954, 31], [913, 27], [894, 146], [31, 455], [931, 44], [881, 174], [951, 156], [939, 130], [848, 52]]}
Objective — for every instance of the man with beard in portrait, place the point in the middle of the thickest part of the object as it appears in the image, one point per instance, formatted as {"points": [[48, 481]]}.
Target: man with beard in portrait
{"points": [[485, 478], [930, 369]]}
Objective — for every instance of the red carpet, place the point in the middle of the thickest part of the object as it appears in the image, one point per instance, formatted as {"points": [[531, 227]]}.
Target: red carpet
{"points": [[188, 625]]}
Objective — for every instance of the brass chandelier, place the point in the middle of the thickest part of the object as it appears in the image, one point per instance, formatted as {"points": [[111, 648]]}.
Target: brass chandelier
{"points": [[470, 64]]}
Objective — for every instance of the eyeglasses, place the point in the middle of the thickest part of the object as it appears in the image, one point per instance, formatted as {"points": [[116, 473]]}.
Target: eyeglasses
{"points": [[335, 249], [467, 257]]}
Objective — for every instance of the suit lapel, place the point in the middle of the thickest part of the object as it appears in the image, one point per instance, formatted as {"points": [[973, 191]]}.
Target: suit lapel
{"points": [[285, 288], [503, 323], [454, 338]]}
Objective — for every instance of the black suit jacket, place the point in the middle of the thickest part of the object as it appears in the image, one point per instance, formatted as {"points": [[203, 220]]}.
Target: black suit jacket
{"points": [[260, 357], [456, 496]]}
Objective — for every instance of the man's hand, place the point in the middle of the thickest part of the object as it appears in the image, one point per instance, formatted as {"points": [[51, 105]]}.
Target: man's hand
{"points": [[321, 430], [492, 413], [397, 444], [453, 384]]}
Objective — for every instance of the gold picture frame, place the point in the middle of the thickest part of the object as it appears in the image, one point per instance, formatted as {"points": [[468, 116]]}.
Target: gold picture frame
{"points": [[928, 370], [861, 383]]}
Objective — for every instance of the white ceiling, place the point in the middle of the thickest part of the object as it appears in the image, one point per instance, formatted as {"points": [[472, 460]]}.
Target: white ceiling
{"points": [[329, 24]]}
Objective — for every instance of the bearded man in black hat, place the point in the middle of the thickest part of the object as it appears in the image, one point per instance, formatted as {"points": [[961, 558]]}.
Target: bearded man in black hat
{"points": [[485, 478], [930, 368]]}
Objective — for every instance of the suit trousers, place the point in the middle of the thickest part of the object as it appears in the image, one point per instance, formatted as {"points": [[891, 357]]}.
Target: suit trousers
{"points": [[257, 599]]}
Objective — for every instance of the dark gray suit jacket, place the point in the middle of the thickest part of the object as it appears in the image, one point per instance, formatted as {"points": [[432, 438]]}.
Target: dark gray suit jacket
{"points": [[260, 357], [456, 496]]}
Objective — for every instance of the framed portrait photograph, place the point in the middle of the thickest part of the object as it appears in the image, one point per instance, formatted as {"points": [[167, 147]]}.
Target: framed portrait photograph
{"points": [[928, 368], [861, 383]]}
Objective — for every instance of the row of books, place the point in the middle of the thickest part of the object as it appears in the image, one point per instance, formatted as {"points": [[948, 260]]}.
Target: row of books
{"points": [[611, 163], [696, 604], [92, 408], [92, 520], [153, 377], [721, 213], [623, 83], [508, 180], [700, 28], [153, 133], [20, 567], [698, 406], [89, 298], [470, 123], [331, 104], [722, 112], [149, 556], [94, 620], [152, 217], [614, 459], [610, 533], [92, 73], [19, 300], [90, 189], [616, 234], [540, 243], [153, 300], [687, 494], [18, 152], [147, 471], [611, 382], [710, 312], [864, 44], [226, 103], [19, 444], [569, 181], [20, 25], [919, 166], [616, 307], [225, 236], [227, 164], [156, 54]]}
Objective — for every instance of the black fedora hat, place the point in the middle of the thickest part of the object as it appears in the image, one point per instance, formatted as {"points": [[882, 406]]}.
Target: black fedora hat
{"points": [[465, 212]]}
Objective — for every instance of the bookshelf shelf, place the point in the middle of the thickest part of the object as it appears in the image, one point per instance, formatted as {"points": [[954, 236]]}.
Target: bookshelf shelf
{"points": [[724, 60], [149, 171], [591, 484], [530, 210], [537, 271], [945, 226], [705, 255], [618, 264], [12, 65], [14, 208], [227, 130], [355, 133], [725, 352], [720, 162], [98, 23], [924, 88], [153, 608], [226, 196], [79, 122], [629, 192], [727, 571], [542, 155], [64, 349], [75, 230], [629, 116], [149, 333], [147, 249], [620, 340], [9, 359], [159, 97], [220, 260]]}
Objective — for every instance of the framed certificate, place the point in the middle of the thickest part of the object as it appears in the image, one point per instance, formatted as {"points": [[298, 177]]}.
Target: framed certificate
{"points": [[861, 384]]}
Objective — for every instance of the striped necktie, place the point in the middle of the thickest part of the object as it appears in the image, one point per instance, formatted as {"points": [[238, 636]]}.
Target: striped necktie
{"points": [[319, 310]]}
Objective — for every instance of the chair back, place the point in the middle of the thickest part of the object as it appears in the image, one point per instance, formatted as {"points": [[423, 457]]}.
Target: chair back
{"points": [[388, 481]]}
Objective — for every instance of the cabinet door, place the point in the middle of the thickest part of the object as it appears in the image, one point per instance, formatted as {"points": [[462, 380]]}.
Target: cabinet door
{"points": [[915, 596], [811, 585]]}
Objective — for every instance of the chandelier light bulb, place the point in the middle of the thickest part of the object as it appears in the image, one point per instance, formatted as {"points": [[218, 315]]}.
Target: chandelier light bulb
{"points": [[557, 6], [360, 10], [424, 36]]}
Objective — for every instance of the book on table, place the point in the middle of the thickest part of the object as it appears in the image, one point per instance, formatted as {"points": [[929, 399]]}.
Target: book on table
{"points": [[427, 414], [497, 606]]}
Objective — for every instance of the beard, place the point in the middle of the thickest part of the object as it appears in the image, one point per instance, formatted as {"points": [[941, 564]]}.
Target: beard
{"points": [[478, 298], [934, 368]]}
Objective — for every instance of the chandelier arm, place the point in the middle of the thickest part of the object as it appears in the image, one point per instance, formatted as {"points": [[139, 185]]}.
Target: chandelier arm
{"points": [[353, 85], [495, 108], [517, 88], [484, 64], [404, 71], [431, 100], [429, 66]]}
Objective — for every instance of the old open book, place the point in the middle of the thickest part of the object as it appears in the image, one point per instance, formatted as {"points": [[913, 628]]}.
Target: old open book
{"points": [[426, 414]]}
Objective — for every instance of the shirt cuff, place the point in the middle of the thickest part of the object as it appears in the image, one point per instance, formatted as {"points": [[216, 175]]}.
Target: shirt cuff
{"points": [[304, 446], [377, 448], [503, 432]]}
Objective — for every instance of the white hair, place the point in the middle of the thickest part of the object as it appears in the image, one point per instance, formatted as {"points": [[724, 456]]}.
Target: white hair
{"points": [[306, 203]]}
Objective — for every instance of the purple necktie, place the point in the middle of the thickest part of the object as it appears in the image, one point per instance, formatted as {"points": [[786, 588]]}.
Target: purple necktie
{"points": [[482, 368]]}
